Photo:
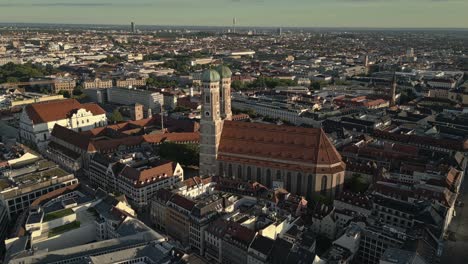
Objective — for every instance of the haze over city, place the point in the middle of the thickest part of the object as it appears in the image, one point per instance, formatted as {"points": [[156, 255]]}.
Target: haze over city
{"points": [[293, 13]]}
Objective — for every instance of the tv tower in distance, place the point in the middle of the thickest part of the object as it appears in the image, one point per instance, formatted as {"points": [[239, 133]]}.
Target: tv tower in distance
{"points": [[234, 21]]}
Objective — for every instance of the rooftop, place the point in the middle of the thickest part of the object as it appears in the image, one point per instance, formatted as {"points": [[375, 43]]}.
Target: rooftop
{"points": [[309, 146], [58, 110]]}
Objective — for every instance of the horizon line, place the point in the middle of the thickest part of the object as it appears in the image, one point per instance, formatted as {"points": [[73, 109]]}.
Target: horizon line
{"points": [[237, 26]]}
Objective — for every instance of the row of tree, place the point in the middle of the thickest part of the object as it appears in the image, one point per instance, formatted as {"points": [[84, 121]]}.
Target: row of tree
{"points": [[161, 82], [11, 72], [185, 154]]}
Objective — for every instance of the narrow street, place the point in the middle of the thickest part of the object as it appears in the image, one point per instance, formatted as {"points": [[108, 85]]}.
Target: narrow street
{"points": [[456, 252]]}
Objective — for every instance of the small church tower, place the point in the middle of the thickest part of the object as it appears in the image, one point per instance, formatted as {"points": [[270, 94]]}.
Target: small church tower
{"points": [[211, 123]]}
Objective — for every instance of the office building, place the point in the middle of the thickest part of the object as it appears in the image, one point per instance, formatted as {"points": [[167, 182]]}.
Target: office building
{"points": [[128, 96]]}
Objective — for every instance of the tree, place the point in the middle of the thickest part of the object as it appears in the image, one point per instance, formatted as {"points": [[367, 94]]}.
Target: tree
{"points": [[116, 116], [315, 85], [65, 94], [185, 154], [161, 82], [22, 72], [358, 183], [78, 90], [112, 59], [12, 79], [238, 85], [153, 56]]}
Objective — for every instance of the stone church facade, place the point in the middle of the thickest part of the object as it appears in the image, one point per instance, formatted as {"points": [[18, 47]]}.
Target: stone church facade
{"points": [[300, 160]]}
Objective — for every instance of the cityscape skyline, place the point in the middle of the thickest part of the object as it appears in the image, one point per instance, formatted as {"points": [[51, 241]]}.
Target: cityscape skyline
{"points": [[315, 13]]}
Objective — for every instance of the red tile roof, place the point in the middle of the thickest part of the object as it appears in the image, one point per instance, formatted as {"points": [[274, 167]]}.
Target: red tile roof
{"points": [[460, 145], [54, 194], [57, 110], [72, 137], [172, 137], [183, 202], [240, 233], [86, 142], [150, 175], [309, 146]]}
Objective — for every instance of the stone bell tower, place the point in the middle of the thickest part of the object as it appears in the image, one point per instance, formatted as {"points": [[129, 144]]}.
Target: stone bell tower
{"points": [[211, 124], [225, 92]]}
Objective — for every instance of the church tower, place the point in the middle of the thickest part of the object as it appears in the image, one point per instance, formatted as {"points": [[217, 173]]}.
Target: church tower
{"points": [[211, 123], [225, 92]]}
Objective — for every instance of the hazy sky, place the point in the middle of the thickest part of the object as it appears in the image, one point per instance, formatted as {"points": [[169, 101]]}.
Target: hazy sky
{"points": [[304, 13]]}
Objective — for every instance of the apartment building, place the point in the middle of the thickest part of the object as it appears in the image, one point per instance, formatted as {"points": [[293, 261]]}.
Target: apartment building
{"points": [[139, 183], [178, 218], [98, 83], [63, 84], [130, 83]]}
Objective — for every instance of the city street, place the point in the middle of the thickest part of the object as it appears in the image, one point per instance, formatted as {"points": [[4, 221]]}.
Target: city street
{"points": [[456, 252]]}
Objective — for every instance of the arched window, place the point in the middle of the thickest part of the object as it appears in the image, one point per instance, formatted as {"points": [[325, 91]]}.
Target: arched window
{"points": [[278, 175], [230, 170], [338, 183], [299, 183], [323, 189], [310, 183], [249, 173], [259, 175], [221, 170], [239, 172], [268, 178], [288, 181]]}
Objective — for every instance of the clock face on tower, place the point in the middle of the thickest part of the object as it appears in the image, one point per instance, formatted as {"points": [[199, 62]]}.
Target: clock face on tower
{"points": [[207, 114]]}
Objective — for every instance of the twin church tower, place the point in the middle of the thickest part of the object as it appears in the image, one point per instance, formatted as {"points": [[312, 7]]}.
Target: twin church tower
{"points": [[301, 160], [216, 107]]}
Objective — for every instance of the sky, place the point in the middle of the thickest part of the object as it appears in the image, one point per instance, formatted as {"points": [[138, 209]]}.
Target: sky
{"points": [[274, 13]]}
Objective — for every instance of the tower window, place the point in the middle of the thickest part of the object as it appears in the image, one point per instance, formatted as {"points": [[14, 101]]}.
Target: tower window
{"points": [[323, 190], [239, 172], [207, 99]]}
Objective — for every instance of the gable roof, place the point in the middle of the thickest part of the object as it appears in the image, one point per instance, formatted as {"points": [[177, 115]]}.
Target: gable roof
{"points": [[286, 143], [86, 141], [72, 137], [150, 175], [56, 110]]}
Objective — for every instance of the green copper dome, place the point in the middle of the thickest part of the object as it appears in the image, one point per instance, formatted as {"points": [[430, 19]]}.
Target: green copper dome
{"points": [[210, 76], [224, 71]]}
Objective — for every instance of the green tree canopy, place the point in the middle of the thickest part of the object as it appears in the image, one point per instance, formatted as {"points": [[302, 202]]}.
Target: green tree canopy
{"points": [[358, 183], [65, 94], [185, 154], [116, 116], [11, 72]]}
